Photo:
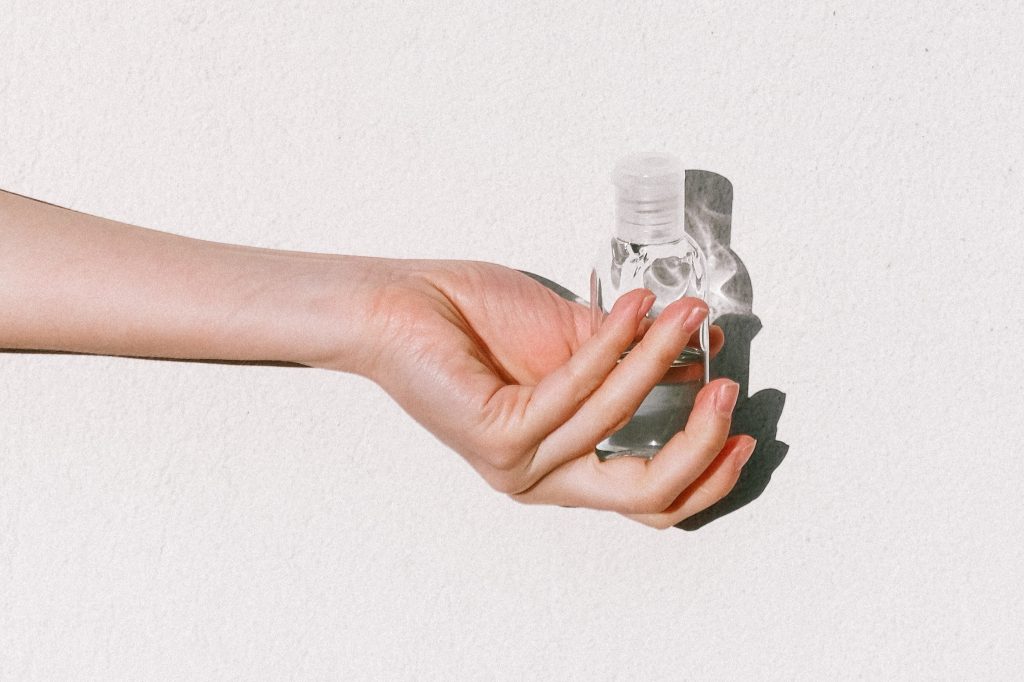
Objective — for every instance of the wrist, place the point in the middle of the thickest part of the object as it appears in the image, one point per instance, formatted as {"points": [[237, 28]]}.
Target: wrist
{"points": [[359, 307], [324, 316]]}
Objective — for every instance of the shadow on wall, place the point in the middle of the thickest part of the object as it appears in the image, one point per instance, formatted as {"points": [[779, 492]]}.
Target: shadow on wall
{"points": [[730, 298]]}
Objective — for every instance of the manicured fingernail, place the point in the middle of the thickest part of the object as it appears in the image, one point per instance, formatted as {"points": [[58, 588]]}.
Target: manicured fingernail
{"points": [[725, 399], [695, 317], [743, 454], [645, 307]]}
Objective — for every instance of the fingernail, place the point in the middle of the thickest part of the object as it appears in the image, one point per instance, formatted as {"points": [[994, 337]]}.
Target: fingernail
{"points": [[695, 317], [645, 307], [725, 399], [743, 454]]}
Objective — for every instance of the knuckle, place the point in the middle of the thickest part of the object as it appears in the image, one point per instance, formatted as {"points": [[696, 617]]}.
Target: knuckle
{"points": [[662, 496], [574, 372], [622, 416], [505, 483], [618, 336], [579, 380], [666, 352], [710, 442], [507, 458], [663, 348]]}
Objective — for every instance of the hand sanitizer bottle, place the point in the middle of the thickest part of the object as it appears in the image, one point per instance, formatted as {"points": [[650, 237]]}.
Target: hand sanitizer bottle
{"points": [[649, 247]]}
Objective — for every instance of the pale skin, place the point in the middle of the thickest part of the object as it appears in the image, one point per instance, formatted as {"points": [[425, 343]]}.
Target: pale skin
{"points": [[498, 367]]}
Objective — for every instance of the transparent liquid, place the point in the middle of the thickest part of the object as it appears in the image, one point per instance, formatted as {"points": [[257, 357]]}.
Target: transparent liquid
{"points": [[661, 415], [672, 271]]}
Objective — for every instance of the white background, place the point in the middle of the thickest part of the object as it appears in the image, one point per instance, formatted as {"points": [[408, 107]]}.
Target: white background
{"points": [[193, 521]]}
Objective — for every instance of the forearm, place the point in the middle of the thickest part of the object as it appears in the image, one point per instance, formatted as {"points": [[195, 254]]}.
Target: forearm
{"points": [[70, 281]]}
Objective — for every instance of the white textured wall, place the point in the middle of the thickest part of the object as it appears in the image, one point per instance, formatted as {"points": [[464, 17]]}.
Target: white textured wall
{"points": [[165, 520]]}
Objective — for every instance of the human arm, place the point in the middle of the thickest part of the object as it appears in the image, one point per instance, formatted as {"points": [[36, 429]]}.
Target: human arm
{"points": [[75, 282], [495, 365]]}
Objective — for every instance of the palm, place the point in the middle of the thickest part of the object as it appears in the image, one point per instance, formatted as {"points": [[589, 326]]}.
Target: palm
{"points": [[465, 331], [523, 329]]}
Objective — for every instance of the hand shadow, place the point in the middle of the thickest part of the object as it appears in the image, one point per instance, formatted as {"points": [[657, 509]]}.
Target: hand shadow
{"points": [[708, 209], [757, 415]]}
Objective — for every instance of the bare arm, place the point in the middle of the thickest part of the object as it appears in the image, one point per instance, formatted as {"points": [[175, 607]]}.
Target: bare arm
{"points": [[76, 282]]}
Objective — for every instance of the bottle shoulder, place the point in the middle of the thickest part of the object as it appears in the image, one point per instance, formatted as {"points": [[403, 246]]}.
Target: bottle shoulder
{"points": [[670, 270], [619, 249]]}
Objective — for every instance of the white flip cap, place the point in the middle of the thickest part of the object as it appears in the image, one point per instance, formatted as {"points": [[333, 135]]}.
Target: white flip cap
{"points": [[649, 193]]}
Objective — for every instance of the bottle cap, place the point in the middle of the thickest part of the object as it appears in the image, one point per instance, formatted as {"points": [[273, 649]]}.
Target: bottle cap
{"points": [[649, 192]]}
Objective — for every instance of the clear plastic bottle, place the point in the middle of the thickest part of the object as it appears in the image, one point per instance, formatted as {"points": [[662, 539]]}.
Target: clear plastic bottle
{"points": [[649, 247]]}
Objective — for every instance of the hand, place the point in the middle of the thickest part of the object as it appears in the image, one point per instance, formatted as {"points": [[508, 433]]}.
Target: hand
{"points": [[507, 373]]}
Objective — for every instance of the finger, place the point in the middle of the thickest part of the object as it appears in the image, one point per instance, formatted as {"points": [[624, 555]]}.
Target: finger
{"points": [[716, 341], [611, 406], [639, 486], [710, 487], [560, 393]]}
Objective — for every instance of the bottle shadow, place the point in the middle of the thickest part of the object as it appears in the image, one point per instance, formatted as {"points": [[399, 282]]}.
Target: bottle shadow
{"points": [[708, 210]]}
